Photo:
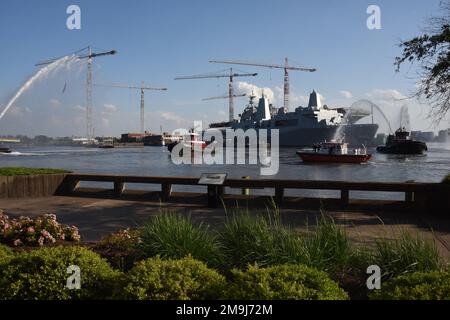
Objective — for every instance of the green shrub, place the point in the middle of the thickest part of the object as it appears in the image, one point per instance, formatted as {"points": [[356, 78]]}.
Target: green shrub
{"points": [[283, 282], [170, 235], [415, 286], [184, 279], [406, 254], [42, 275], [6, 254], [262, 239]]}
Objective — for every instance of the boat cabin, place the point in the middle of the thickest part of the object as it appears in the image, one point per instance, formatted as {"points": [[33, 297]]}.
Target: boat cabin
{"points": [[331, 148]]}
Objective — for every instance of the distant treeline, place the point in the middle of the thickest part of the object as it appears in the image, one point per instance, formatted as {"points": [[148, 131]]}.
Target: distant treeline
{"points": [[41, 140]]}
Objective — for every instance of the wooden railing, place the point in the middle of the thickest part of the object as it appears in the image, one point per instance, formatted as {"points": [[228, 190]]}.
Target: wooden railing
{"points": [[415, 192]]}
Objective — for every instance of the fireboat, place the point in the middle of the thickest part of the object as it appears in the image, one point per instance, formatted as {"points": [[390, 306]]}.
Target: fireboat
{"points": [[334, 152]]}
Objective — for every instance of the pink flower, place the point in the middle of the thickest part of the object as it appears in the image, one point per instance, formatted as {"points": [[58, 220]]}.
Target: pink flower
{"points": [[41, 241], [30, 230], [17, 242], [45, 234]]}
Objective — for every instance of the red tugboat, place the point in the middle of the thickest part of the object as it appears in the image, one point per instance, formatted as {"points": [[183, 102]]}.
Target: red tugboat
{"points": [[334, 152]]}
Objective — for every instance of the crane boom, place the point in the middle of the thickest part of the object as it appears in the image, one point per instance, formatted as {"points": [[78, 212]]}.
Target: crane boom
{"points": [[224, 97], [207, 76], [286, 67], [229, 75], [278, 66], [130, 87]]}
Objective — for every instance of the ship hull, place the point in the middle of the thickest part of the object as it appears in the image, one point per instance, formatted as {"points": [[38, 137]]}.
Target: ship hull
{"points": [[405, 147], [334, 158], [354, 135]]}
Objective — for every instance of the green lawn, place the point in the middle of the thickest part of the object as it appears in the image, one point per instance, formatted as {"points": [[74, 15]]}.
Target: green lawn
{"points": [[21, 171]]}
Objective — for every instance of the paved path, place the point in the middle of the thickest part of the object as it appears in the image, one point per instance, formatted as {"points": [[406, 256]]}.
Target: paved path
{"points": [[99, 216]]}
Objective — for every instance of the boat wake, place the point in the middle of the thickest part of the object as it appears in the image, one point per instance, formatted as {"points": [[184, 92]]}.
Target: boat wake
{"points": [[17, 153]]}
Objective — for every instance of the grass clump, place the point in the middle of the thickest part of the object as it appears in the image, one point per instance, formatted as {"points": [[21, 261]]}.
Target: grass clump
{"points": [[329, 247], [283, 282], [22, 171], [415, 286], [173, 236], [183, 279], [42, 275], [262, 239], [407, 254]]}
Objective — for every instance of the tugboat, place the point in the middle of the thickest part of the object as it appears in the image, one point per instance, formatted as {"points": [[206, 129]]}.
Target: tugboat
{"points": [[106, 143], [5, 150], [401, 143], [334, 152]]}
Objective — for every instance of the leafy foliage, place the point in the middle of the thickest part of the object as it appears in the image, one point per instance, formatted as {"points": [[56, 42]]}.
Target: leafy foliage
{"points": [[283, 282], [183, 279], [416, 286], [432, 51], [42, 275], [5, 254]]}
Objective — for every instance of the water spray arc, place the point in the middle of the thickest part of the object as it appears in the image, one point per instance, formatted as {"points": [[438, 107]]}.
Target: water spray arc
{"points": [[89, 56], [43, 72]]}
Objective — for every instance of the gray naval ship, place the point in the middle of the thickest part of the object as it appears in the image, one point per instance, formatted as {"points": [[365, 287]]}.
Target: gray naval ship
{"points": [[305, 126]]}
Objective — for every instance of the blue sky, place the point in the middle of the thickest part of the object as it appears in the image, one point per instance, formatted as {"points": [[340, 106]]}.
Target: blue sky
{"points": [[159, 40]]}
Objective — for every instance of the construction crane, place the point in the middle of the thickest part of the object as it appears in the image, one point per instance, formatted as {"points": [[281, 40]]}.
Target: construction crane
{"points": [[89, 55], [142, 88], [224, 97], [286, 68], [229, 75]]}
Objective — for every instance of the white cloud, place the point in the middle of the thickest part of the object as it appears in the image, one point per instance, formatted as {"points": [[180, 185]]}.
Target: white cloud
{"points": [[346, 94], [172, 117], [79, 107], [109, 107], [17, 111], [55, 103], [294, 100], [386, 94], [249, 88]]}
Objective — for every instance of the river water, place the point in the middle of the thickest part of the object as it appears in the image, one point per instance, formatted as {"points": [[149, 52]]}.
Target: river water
{"points": [[156, 161]]}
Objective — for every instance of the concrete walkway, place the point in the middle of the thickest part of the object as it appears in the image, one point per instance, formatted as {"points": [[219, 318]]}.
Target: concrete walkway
{"points": [[96, 217]]}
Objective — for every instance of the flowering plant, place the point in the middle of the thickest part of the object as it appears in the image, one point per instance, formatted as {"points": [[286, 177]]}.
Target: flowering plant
{"points": [[42, 230], [123, 239]]}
